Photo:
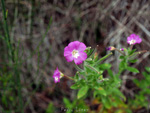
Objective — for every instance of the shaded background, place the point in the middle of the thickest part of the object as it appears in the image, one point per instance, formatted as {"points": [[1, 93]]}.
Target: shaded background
{"points": [[94, 22]]}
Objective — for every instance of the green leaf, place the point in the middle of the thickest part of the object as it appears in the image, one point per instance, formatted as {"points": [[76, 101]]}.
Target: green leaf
{"points": [[110, 73], [137, 82], [106, 102], [91, 69], [122, 64], [75, 86], [146, 75], [119, 93], [132, 69], [102, 91], [67, 103], [50, 108], [130, 52], [89, 51], [147, 69], [121, 57], [76, 77], [105, 66], [82, 91], [133, 61]]}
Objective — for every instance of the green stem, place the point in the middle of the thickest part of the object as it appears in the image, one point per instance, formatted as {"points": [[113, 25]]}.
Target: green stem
{"points": [[119, 73], [11, 56], [103, 58], [92, 68], [19, 88], [139, 52], [131, 46], [7, 36], [17, 66], [120, 51], [94, 51], [68, 77], [78, 68]]}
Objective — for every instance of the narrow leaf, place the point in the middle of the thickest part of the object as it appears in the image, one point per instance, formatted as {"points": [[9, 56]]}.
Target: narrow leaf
{"points": [[132, 69], [82, 92], [75, 86]]}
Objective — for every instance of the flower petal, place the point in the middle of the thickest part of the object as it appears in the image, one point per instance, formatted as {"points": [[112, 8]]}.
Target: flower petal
{"points": [[129, 39], [134, 38], [81, 58], [56, 75], [73, 45], [69, 57], [78, 60], [139, 40], [56, 72], [68, 54], [81, 47], [67, 51], [82, 55]]}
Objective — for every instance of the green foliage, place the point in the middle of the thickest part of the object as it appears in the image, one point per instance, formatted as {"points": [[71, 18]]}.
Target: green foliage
{"points": [[50, 108], [105, 66], [106, 89], [7, 87], [91, 78], [126, 60], [141, 98], [74, 107], [132, 69], [82, 92]]}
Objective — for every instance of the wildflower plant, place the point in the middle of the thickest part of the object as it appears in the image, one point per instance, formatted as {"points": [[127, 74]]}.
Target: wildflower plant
{"points": [[91, 78]]}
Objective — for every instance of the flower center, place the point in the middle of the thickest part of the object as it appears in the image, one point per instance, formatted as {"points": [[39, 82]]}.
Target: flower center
{"points": [[132, 42], [56, 78], [75, 53]]}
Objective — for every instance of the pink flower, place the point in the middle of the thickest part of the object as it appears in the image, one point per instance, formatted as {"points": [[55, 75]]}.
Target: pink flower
{"points": [[75, 51], [56, 75], [134, 39]]}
